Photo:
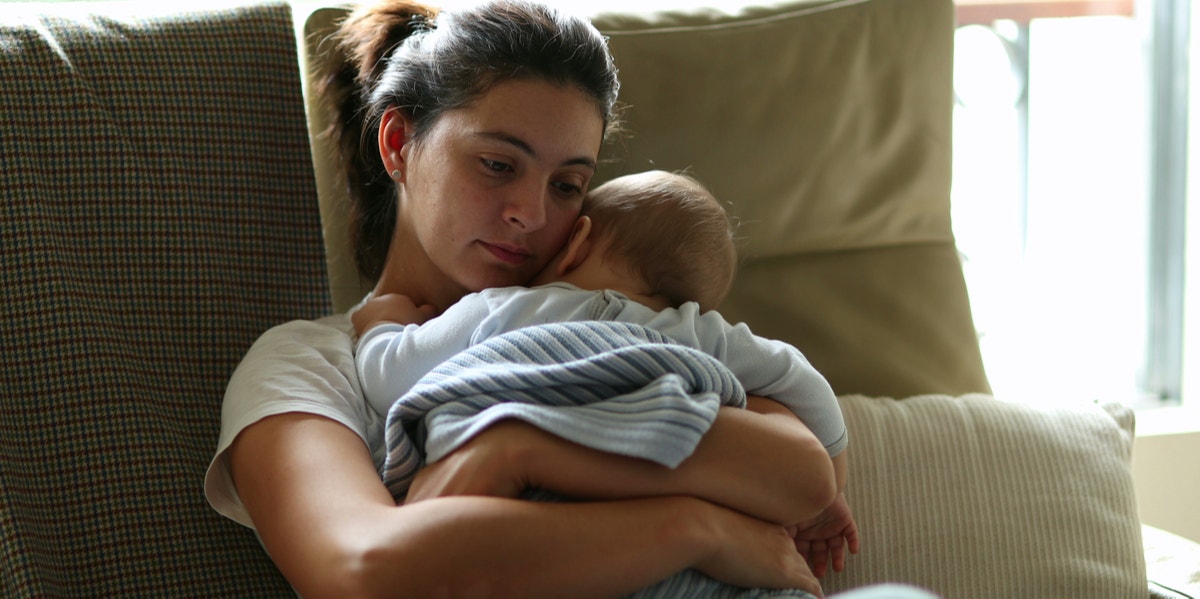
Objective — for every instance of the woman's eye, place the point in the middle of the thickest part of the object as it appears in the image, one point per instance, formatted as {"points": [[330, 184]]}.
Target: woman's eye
{"points": [[495, 165], [568, 189]]}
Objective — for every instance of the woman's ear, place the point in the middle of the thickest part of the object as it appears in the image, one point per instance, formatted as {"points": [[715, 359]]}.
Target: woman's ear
{"points": [[578, 246], [393, 136]]}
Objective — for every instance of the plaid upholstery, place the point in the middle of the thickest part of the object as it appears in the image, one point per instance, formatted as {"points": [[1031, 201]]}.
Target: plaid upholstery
{"points": [[158, 213]]}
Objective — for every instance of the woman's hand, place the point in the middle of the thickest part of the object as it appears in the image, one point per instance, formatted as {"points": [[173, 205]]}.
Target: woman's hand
{"points": [[743, 550], [753, 553]]}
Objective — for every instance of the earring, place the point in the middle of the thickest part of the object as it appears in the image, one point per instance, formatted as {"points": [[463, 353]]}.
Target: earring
{"points": [[396, 174]]}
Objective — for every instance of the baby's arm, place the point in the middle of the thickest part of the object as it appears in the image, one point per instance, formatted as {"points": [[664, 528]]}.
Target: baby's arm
{"points": [[400, 342], [390, 307]]}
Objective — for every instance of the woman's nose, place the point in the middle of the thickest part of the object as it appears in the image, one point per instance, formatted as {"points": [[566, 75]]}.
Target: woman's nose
{"points": [[525, 207]]}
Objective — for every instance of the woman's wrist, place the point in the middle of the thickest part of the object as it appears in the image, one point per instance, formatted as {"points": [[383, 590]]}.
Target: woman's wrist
{"points": [[691, 529]]}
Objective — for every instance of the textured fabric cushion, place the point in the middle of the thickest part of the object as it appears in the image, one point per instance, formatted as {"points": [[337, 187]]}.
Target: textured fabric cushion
{"points": [[826, 128], [889, 321], [977, 498], [826, 125], [159, 213]]}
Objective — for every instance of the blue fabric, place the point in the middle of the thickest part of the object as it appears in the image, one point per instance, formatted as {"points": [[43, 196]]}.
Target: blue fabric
{"points": [[612, 386]]}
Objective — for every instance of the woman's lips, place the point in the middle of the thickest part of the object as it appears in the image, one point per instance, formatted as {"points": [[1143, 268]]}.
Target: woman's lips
{"points": [[510, 254]]}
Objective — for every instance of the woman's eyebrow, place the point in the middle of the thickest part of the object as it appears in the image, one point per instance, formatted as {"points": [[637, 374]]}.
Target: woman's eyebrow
{"points": [[524, 147]]}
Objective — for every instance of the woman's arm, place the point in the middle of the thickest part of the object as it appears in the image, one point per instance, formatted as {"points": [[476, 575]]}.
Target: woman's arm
{"points": [[330, 525], [761, 461]]}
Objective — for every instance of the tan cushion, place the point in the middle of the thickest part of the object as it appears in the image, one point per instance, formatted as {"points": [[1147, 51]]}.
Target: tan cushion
{"points": [[826, 127], [872, 321], [977, 498], [346, 287]]}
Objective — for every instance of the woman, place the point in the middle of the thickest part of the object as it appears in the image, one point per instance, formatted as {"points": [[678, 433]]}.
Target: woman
{"points": [[485, 126]]}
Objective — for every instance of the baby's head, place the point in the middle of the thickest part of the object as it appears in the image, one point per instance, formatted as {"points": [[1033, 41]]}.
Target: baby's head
{"points": [[668, 229]]}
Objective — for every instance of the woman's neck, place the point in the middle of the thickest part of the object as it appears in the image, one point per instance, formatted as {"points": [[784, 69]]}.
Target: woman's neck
{"points": [[420, 287], [418, 279]]}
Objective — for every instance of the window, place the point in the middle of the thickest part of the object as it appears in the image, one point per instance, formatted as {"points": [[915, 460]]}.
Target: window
{"points": [[1069, 195]]}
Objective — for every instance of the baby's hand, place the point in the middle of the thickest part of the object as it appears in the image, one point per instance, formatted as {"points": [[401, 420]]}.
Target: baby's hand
{"points": [[390, 307], [826, 537]]}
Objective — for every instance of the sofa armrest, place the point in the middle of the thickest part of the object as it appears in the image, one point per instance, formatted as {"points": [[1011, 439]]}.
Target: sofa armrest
{"points": [[1172, 564]]}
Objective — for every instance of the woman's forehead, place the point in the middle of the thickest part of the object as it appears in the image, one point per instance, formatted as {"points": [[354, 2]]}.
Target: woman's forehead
{"points": [[554, 122]]}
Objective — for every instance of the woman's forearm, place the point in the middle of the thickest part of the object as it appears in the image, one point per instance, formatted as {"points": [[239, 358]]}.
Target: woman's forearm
{"points": [[761, 461], [310, 487], [765, 462], [516, 548], [513, 548]]}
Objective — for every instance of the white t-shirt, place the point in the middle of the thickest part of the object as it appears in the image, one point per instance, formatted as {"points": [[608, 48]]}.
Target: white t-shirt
{"points": [[300, 366]]}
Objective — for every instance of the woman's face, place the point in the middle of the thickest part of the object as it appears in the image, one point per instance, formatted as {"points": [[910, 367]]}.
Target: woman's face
{"points": [[492, 191]]}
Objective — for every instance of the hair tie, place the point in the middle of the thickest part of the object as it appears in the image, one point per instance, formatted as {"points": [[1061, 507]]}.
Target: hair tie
{"points": [[419, 22]]}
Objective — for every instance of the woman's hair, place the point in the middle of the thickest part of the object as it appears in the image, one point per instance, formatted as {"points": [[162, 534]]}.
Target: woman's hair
{"points": [[668, 229], [426, 62]]}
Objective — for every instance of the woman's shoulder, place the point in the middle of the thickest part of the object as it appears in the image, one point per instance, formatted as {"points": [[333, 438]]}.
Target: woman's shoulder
{"points": [[304, 366], [300, 349], [324, 329]]}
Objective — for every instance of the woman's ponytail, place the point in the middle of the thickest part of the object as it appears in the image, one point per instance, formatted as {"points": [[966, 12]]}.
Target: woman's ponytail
{"points": [[359, 53]]}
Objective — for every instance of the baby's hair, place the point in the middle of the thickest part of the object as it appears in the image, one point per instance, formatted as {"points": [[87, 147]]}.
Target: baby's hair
{"points": [[668, 229]]}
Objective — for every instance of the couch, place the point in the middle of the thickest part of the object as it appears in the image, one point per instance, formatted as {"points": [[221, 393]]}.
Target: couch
{"points": [[164, 202]]}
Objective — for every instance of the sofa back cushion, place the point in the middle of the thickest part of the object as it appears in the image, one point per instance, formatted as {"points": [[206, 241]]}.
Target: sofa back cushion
{"points": [[826, 128], [159, 213]]}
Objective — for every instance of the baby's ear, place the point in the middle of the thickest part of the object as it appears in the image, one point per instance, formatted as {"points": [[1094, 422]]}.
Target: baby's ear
{"points": [[578, 246]]}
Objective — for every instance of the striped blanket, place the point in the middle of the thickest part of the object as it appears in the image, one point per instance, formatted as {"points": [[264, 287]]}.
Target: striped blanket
{"points": [[612, 386]]}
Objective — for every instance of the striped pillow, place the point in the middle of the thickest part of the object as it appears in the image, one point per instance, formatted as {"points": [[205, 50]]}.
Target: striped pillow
{"points": [[977, 498]]}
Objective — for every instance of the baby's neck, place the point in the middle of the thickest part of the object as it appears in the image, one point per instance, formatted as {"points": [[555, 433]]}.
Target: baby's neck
{"points": [[631, 287], [657, 303]]}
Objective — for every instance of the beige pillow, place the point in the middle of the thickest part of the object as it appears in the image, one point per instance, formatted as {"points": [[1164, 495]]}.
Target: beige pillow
{"points": [[973, 497], [826, 128]]}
